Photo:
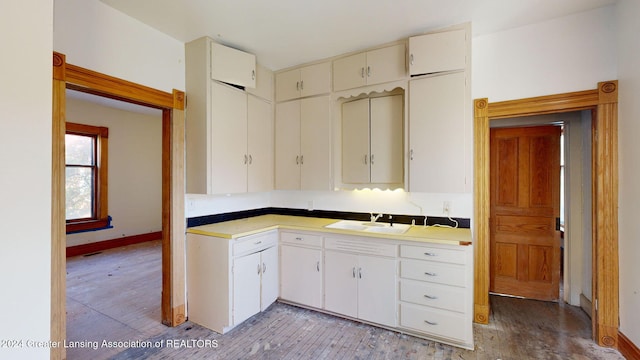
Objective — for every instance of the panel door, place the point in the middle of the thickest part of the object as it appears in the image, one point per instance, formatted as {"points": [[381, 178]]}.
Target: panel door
{"points": [[437, 162], [349, 72], [315, 79], [341, 283], [287, 146], [387, 148], [233, 66], [355, 142], [377, 290], [301, 275], [288, 85], [270, 279], [228, 139], [315, 143], [246, 287], [525, 201], [437, 52], [260, 145], [386, 64]]}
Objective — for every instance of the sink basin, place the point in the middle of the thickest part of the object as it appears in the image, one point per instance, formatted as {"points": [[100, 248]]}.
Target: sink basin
{"points": [[374, 227]]}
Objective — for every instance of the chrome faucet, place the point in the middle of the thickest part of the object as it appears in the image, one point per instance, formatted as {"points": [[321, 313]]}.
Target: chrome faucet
{"points": [[375, 218]]}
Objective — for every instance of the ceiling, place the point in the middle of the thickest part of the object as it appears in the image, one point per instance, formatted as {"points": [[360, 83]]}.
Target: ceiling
{"points": [[284, 33]]}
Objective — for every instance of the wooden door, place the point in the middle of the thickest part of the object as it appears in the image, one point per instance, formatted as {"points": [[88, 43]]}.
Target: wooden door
{"points": [[355, 142], [525, 203]]}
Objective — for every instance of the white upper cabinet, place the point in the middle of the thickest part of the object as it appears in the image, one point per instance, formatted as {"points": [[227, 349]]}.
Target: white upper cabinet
{"points": [[437, 127], [233, 66], [437, 52], [372, 150], [368, 68], [259, 145], [303, 144], [305, 81]]}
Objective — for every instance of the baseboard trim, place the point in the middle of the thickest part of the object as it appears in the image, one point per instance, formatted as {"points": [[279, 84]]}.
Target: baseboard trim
{"points": [[113, 243], [627, 348], [585, 304]]}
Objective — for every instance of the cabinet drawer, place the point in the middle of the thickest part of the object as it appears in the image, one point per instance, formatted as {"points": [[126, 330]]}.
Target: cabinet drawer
{"points": [[301, 239], [433, 254], [433, 321], [434, 295], [361, 246], [433, 272], [254, 243]]}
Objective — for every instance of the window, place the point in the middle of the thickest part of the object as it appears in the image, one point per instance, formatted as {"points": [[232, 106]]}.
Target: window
{"points": [[86, 150]]}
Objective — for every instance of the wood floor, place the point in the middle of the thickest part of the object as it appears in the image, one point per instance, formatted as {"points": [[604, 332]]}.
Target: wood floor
{"points": [[114, 296]]}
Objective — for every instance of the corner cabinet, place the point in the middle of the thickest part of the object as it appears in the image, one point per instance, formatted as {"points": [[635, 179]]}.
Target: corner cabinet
{"points": [[230, 280], [303, 144], [229, 133]]}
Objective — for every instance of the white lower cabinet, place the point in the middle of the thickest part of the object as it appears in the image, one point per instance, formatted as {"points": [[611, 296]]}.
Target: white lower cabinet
{"points": [[230, 280], [360, 286], [301, 268], [436, 292]]}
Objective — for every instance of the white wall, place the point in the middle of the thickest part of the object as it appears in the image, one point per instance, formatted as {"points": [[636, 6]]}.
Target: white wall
{"points": [[629, 171], [96, 36], [25, 183], [566, 54], [135, 169]]}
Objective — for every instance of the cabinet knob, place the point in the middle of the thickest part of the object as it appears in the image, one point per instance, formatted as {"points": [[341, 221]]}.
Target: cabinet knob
{"points": [[318, 266], [297, 159], [430, 254], [264, 268], [362, 72], [298, 85], [430, 297], [371, 159], [359, 273], [299, 238], [259, 268], [301, 159], [253, 74], [411, 59], [250, 159], [431, 322], [368, 71], [301, 84], [245, 159], [365, 159], [354, 272]]}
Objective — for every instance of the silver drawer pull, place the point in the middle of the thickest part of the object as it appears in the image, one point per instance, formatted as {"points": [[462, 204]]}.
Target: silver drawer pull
{"points": [[431, 322], [264, 268], [430, 254], [431, 297], [430, 273], [259, 269], [299, 238], [258, 242], [318, 266], [354, 272]]}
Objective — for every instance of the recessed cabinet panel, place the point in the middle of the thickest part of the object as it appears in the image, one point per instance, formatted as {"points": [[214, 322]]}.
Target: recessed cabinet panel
{"points": [[437, 52], [355, 142], [301, 275], [246, 287], [386, 161]]}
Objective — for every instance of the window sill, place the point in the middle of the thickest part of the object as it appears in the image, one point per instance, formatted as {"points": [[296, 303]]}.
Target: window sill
{"points": [[89, 225]]}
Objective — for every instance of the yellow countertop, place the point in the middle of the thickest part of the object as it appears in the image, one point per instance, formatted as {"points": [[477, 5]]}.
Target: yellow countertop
{"points": [[237, 228]]}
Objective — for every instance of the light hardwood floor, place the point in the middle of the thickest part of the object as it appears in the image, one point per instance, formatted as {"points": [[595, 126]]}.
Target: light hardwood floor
{"points": [[115, 296]]}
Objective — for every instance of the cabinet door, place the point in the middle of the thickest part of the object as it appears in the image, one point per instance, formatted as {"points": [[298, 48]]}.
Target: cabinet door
{"points": [[386, 64], [269, 291], [287, 162], [437, 52], [301, 275], [341, 283], [436, 134], [355, 142], [260, 145], [264, 83], [386, 139], [233, 66], [315, 143], [315, 79], [288, 85], [246, 287], [349, 72], [377, 290], [228, 139]]}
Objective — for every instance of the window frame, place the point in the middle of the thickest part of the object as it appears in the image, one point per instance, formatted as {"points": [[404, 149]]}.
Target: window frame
{"points": [[100, 218]]}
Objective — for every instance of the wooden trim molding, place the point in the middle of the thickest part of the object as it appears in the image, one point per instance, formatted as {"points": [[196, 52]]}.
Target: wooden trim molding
{"points": [[58, 223], [67, 76], [627, 348], [603, 102], [111, 244]]}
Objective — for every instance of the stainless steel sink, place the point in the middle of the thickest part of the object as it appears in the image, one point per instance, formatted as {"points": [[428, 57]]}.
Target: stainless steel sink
{"points": [[373, 227]]}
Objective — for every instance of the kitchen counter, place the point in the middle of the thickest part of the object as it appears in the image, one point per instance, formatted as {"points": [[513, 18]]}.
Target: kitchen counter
{"points": [[243, 227]]}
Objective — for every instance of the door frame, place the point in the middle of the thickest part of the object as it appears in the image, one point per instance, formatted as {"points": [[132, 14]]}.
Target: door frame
{"points": [[68, 76], [603, 102]]}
